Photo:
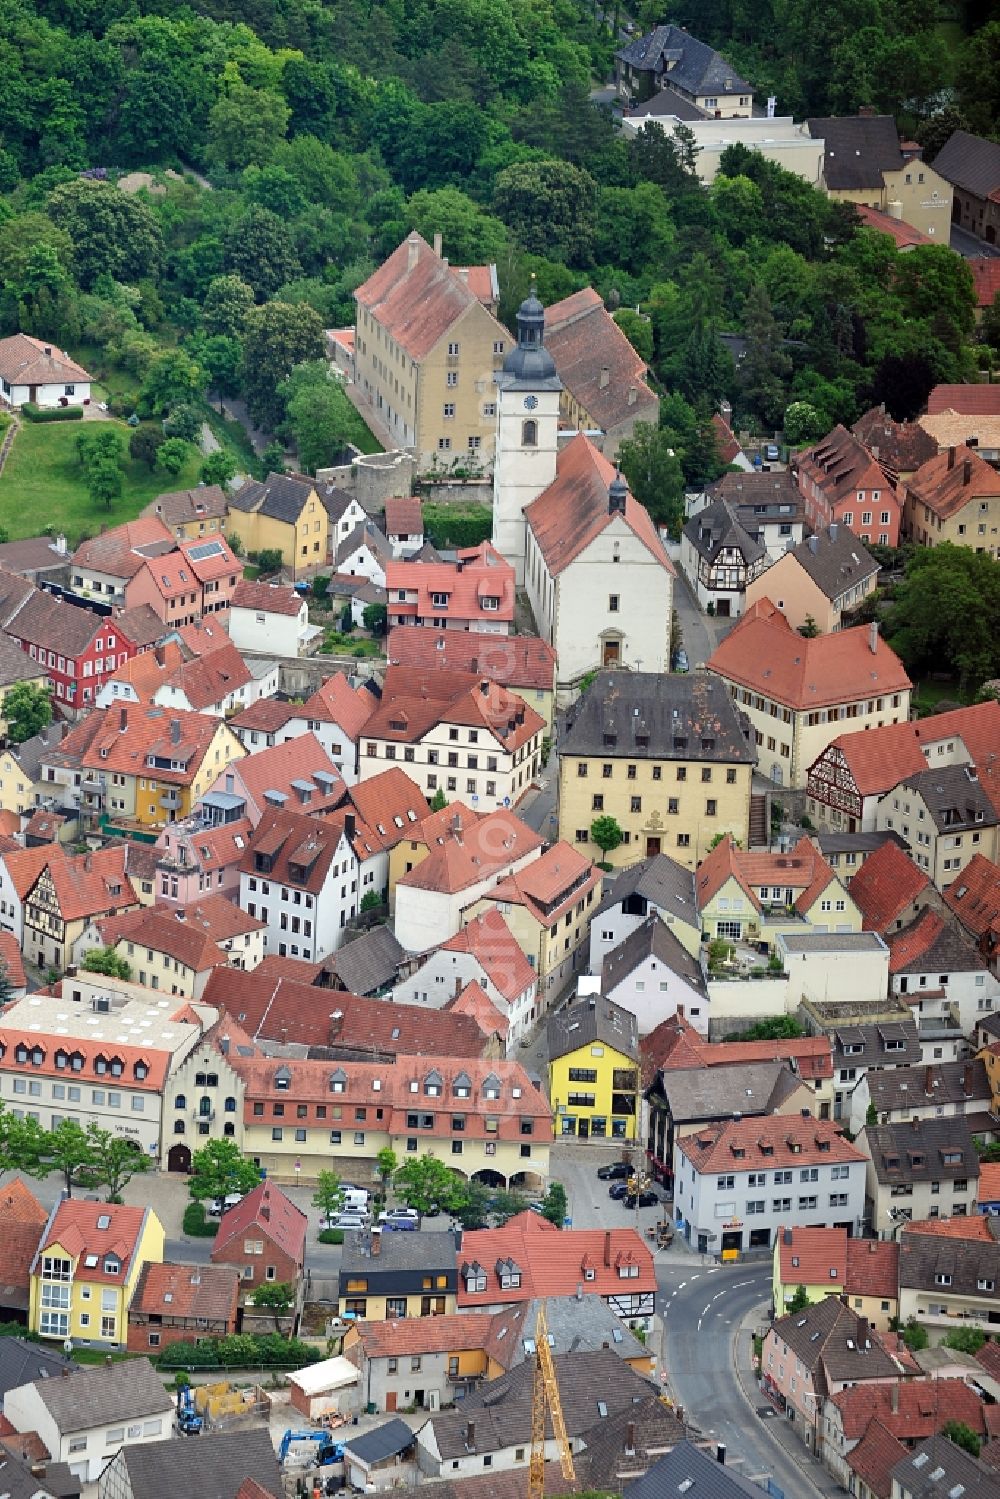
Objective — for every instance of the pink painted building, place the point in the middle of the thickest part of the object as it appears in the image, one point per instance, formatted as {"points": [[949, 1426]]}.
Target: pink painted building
{"points": [[198, 578], [194, 860]]}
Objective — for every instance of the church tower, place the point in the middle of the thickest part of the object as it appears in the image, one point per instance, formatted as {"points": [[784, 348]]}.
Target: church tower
{"points": [[528, 390]]}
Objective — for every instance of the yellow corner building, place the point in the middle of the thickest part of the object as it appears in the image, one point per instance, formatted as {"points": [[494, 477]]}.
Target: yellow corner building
{"points": [[86, 1267], [594, 1070]]}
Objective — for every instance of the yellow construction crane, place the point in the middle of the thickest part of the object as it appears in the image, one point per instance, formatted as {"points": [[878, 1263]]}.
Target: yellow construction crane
{"points": [[545, 1392]]}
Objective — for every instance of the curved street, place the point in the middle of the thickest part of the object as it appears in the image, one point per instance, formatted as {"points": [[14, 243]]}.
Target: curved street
{"points": [[702, 1308]]}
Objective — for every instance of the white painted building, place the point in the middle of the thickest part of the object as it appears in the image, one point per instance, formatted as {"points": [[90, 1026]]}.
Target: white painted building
{"points": [[484, 952], [364, 554], [271, 620], [654, 977], [31, 370], [834, 966], [777, 138], [302, 878]]}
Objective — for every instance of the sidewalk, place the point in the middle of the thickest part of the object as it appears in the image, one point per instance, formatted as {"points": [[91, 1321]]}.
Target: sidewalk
{"points": [[778, 1427]]}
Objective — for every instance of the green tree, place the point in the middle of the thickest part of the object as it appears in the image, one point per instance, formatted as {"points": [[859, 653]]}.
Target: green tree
{"points": [[766, 365], [219, 1169], [551, 207], [505, 1204], [554, 1204], [318, 415], [277, 1296], [803, 423], [144, 444], [218, 468], [272, 460], [654, 474], [112, 233], [947, 608], [228, 302], [27, 709], [69, 1152], [328, 1196], [962, 1435], [173, 454], [965, 1339], [115, 1160], [798, 1302], [438, 801], [914, 1336], [259, 249], [638, 330], [106, 960], [245, 124], [22, 1144], [270, 561], [424, 1182], [278, 337], [469, 236], [105, 482], [386, 1164], [472, 1209], [606, 833], [810, 629], [374, 617], [173, 379], [100, 442], [778, 1028]]}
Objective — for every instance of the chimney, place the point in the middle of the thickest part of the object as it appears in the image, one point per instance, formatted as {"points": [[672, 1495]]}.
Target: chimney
{"points": [[617, 495], [967, 1080], [175, 731], [412, 252], [607, 1248], [915, 1124], [814, 544], [61, 544], [951, 458], [87, 862], [123, 718], [224, 1046], [873, 637], [834, 528], [967, 471], [350, 825], [336, 1024], [605, 379], [470, 1434], [376, 1243], [720, 1453], [929, 1081], [464, 275], [48, 350], [438, 243], [484, 688], [633, 395], [579, 1290], [630, 1438]]}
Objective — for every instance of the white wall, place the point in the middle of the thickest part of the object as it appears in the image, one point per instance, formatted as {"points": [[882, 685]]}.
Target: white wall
{"points": [[327, 913], [974, 995], [435, 983], [426, 918], [706, 1206], [273, 634], [87, 1453], [652, 992], [779, 139]]}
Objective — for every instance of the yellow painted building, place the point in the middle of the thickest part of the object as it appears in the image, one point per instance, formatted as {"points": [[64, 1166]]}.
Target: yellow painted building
{"points": [[954, 497], [594, 1070], [86, 1268], [281, 514], [650, 763], [825, 1262], [759, 897], [16, 789], [152, 765]]}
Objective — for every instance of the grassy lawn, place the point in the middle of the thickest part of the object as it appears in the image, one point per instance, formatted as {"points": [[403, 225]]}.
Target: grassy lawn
{"points": [[43, 484], [362, 436], [933, 690], [337, 644]]}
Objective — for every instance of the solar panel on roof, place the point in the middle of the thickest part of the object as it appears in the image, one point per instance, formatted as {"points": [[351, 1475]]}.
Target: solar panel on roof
{"points": [[205, 549]]}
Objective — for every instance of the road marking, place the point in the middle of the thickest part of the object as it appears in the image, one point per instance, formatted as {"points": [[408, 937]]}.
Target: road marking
{"points": [[695, 1277], [699, 1324], [707, 1310], [681, 1286], [739, 1283]]}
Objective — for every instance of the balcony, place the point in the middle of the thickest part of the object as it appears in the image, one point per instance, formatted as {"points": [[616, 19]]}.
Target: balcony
{"points": [[170, 798]]}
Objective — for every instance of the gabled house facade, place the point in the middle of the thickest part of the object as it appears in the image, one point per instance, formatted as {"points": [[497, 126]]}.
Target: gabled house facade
{"points": [[300, 876], [840, 482], [720, 559], [474, 593], [285, 514], [89, 1259], [819, 581]]}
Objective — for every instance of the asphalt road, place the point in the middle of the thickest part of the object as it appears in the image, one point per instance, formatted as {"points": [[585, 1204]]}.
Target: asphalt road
{"points": [[971, 247], [702, 1310]]}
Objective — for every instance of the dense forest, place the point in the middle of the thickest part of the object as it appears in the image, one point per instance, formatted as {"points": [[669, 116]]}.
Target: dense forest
{"points": [[294, 142]]}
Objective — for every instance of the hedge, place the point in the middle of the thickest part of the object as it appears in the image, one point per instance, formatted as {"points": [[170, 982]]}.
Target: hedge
{"points": [[331, 1236], [457, 526], [241, 1351], [197, 1224], [35, 413]]}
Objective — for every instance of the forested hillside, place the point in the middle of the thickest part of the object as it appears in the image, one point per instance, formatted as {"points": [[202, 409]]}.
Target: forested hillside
{"points": [[323, 132]]}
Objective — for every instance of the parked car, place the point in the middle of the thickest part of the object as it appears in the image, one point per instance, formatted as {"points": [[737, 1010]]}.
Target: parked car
{"points": [[772, 453], [681, 663], [220, 1205], [618, 1190], [617, 1171], [646, 1199], [399, 1225], [349, 1220], [393, 1217]]}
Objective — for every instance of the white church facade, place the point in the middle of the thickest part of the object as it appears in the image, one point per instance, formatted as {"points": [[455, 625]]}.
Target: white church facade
{"points": [[595, 569]]}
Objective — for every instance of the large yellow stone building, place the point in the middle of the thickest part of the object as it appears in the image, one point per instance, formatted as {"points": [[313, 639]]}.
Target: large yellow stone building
{"points": [[282, 514], [427, 346], [665, 757]]}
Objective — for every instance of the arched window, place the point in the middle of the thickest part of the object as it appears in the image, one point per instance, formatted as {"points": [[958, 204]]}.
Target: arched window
{"points": [[229, 1128], [205, 1107], [230, 1106], [180, 1102], [178, 1126], [529, 434]]}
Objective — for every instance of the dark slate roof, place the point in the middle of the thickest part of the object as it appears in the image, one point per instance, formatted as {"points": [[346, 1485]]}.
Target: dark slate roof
{"points": [[105, 1395], [876, 1038], [592, 1386], [955, 799], [370, 962], [687, 1469], [423, 1251], [835, 560], [335, 501], [20, 1480], [593, 1019], [915, 1151], [280, 496], [920, 1476], [966, 1249], [668, 102], [970, 162], [653, 939], [830, 1340], [656, 716], [365, 534], [213, 1467], [576, 1325], [858, 149], [16, 665], [29, 755], [700, 1094], [627, 1441], [22, 1362], [831, 843], [662, 882], [381, 1442], [688, 64], [892, 1088], [716, 527], [951, 951]]}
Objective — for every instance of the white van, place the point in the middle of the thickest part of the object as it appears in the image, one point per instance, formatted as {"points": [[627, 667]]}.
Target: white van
{"points": [[355, 1200]]}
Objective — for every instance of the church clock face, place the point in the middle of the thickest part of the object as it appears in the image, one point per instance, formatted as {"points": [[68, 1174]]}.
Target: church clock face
{"points": [[530, 402]]}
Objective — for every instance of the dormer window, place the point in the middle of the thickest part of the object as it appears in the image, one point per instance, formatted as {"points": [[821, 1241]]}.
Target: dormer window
{"points": [[462, 1086], [338, 1081], [491, 1086], [283, 1079], [432, 1085], [21, 1053], [112, 1265], [101, 1066], [474, 1276], [62, 1060], [508, 1274]]}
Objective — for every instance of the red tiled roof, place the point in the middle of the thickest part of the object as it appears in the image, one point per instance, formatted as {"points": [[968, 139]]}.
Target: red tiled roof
{"points": [[471, 852], [209, 1291], [904, 236], [208, 680], [725, 437], [74, 1226], [967, 400], [413, 703], [202, 636], [792, 1141], [573, 510], [907, 946], [989, 1181], [838, 465], [141, 625], [22, 1219], [11, 961], [596, 363], [93, 884], [476, 1003], [803, 870], [951, 480], [974, 896], [28, 361], [270, 598], [267, 1211], [391, 805], [488, 939], [676, 1044], [404, 516], [973, 1227], [147, 672], [483, 573], [879, 759], [267, 715], [518, 661], [873, 1268], [875, 1456], [126, 736], [116, 552], [192, 933], [419, 1335], [212, 848], [154, 1057], [887, 882], [551, 884], [220, 563], [985, 279], [26, 864], [773, 659], [812, 1257], [277, 766], [553, 1261], [293, 839], [922, 1407], [989, 1357], [417, 303], [336, 701]]}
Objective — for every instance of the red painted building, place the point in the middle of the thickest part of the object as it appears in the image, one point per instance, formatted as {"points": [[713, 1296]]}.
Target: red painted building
{"points": [[78, 649]]}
